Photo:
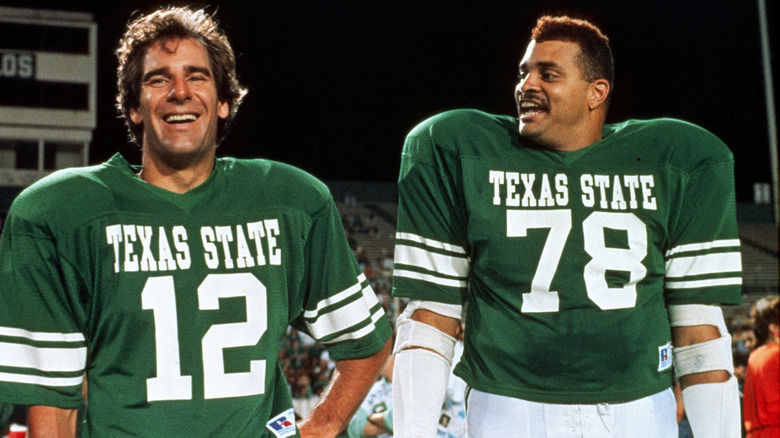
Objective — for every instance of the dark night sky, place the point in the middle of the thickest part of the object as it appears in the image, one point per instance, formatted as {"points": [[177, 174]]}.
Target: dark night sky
{"points": [[336, 85]]}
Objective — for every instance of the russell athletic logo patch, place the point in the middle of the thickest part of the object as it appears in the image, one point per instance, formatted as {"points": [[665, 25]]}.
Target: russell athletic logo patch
{"points": [[664, 357], [283, 425]]}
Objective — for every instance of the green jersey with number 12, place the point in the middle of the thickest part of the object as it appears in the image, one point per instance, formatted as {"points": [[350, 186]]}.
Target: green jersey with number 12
{"points": [[567, 260], [174, 305]]}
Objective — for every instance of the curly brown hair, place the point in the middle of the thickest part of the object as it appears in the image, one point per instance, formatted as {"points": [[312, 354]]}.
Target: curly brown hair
{"points": [[595, 57], [171, 23], [765, 311]]}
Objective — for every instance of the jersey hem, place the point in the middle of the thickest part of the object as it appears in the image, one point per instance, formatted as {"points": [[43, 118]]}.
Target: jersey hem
{"points": [[569, 398], [416, 295], [22, 399]]}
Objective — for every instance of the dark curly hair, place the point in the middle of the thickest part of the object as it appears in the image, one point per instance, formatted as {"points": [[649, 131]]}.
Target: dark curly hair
{"points": [[170, 23], [595, 57]]}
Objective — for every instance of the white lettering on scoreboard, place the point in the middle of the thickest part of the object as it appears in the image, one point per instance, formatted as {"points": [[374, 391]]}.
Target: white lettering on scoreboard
{"points": [[17, 65]]}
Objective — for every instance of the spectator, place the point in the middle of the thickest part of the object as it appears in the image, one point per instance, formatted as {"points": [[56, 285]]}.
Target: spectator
{"points": [[374, 417], [762, 382]]}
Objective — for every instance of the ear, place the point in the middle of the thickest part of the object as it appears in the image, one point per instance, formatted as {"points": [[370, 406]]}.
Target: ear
{"points": [[223, 110], [598, 91], [135, 116]]}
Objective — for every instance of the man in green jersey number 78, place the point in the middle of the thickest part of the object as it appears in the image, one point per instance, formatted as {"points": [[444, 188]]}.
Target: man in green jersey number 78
{"points": [[592, 258]]}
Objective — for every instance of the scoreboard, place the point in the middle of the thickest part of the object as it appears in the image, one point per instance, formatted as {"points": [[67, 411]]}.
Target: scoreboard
{"points": [[48, 69]]}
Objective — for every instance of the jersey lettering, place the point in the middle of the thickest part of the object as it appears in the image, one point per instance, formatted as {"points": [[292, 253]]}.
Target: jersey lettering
{"points": [[541, 298], [138, 248], [159, 296]]}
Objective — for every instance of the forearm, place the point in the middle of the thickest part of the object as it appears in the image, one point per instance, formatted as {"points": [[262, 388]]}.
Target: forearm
{"points": [[423, 357], [51, 422], [350, 383], [703, 363]]}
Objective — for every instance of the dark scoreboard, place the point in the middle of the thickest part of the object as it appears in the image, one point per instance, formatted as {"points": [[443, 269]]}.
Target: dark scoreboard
{"points": [[48, 71]]}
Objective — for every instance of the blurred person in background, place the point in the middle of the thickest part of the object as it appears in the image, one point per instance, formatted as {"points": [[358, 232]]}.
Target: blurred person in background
{"points": [[762, 381]]}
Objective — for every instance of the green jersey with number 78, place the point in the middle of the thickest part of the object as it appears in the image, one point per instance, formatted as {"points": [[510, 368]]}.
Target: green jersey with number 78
{"points": [[566, 260]]}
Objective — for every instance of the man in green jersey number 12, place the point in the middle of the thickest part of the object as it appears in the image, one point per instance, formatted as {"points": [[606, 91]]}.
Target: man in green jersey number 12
{"points": [[168, 286], [590, 259]]}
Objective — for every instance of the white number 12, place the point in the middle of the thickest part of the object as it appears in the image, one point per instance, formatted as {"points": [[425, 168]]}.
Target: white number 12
{"points": [[159, 296]]}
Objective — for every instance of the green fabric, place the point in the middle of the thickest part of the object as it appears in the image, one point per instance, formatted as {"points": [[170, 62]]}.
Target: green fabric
{"points": [[177, 302], [567, 259]]}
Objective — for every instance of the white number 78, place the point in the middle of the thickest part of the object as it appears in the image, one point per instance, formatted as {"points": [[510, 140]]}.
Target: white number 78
{"points": [[541, 298]]}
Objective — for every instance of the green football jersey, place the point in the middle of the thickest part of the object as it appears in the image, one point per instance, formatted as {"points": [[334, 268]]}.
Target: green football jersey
{"points": [[174, 305], [566, 260]]}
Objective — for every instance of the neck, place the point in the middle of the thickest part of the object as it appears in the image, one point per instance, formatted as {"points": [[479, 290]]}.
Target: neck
{"points": [[175, 178]]}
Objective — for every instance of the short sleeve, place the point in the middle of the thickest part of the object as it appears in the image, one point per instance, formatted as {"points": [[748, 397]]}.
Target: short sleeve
{"points": [[42, 346], [703, 261], [431, 255], [341, 311]]}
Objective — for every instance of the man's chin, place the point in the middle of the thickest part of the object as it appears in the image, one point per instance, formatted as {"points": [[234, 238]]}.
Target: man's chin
{"points": [[528, 130]]}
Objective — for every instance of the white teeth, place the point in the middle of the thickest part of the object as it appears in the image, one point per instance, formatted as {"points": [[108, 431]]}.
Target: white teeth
{"points": [[176, 118]]}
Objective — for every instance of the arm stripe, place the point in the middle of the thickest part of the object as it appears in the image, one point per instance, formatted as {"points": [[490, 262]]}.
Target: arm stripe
{"points": [[455, 266], [706, 245], [430, 242], [704, 264]]}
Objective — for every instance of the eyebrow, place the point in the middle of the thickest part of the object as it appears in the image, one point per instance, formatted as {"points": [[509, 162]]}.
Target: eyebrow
{"points": [[541, 64], [166, 71]]}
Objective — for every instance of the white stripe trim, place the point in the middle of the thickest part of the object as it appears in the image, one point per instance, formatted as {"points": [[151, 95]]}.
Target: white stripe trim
{"points": [[704, 264], [705, 245], [430, 242], [703, 283], [409, 255], [42, 381], [430, 278], [44, 359], [333, 299], [41, 336], [345, 317], [351, 336]]}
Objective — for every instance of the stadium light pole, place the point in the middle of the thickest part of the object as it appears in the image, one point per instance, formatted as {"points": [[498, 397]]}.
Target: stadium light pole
{"points": [[770, 106]]}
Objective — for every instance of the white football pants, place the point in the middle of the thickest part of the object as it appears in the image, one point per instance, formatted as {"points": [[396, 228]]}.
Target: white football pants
{"points": [[498, 416]]}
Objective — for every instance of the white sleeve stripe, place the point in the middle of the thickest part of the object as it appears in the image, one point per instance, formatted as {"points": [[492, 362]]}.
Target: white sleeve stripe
{"points": [[333, 299], [430, 242], [351, 336], [704, 264], [344, 317], [41, 380], [704, 283], [430, 278], [43, 359], [418, 257], [41, 336], [706, 245]]}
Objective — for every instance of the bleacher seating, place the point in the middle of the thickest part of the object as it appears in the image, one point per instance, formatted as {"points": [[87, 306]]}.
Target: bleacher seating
{"points": [[375, 244], [760, 270]]}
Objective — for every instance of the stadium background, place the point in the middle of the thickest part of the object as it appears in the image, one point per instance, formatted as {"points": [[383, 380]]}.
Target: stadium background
{"points": [[335, 86]]}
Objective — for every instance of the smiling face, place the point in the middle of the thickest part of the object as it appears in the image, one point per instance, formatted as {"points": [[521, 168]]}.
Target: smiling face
{"points": [[555, 104], [178, 105]]}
